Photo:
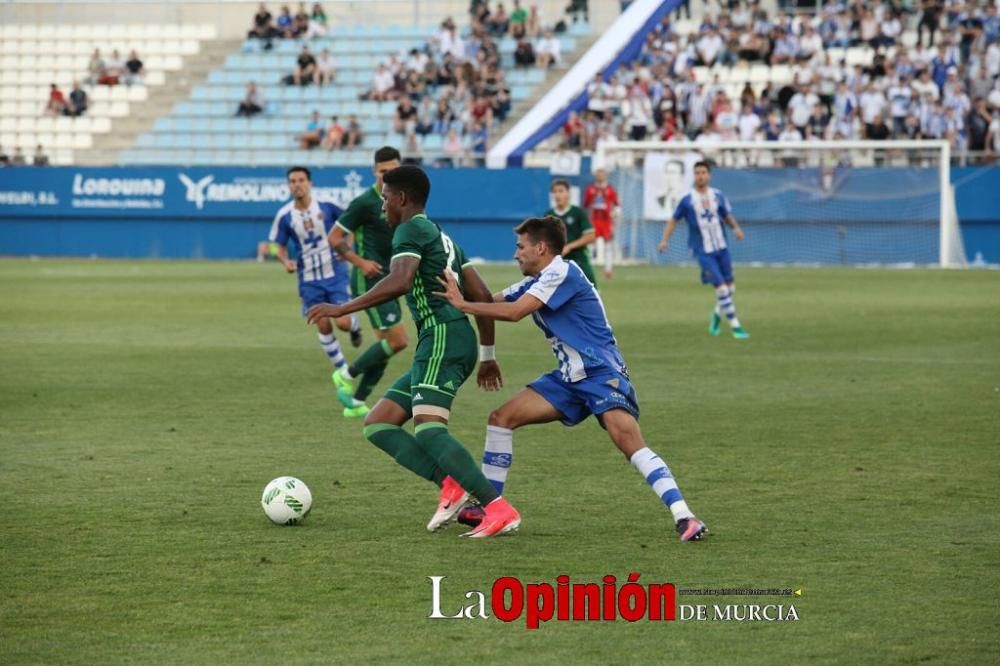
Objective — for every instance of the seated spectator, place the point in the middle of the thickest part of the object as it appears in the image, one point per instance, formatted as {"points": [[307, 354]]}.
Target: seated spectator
{"points": [[549, 50], [573, 131], [301, 23], [114, 70], [453, 148], [56, 106], [305, 68], [285, 25], [890, 29], [638, 114], [499, 21], [443, 118], [518, 20], [353, 136], [317, 21], [576, 8], [524, 54], [4, 158], [95, 68], [786, 49], [482, 111], [78, 101], [383, 85], [412, 152], [313, 135], [405, 118], [134, 70], [478, 138], [790, 158], [710, 47], [597, 91], [993, 140], [415, 85], [810, 44], [263, 24], [17, 159], [326, 69], [253, 101], [748, 123], [334, 135], [40, 158], [877, 130]]}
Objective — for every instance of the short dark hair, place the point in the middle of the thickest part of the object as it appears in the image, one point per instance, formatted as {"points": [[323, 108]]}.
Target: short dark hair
{"points": [[702, 164], [386, 154], [412, 180], [559, 181], [549, 229], [303, 169]]}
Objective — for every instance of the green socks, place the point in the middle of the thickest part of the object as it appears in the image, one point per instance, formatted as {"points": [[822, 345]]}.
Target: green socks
{"points": [[370, 367], [454, 460], [402, 447]]}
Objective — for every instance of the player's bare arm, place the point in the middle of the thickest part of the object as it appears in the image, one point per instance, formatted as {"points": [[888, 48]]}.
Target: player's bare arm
{"points": [[735, 226], [398, 282], [668, 231], [339, 240], [586, 239], [489, 377], [282, 254], [515, 311]]}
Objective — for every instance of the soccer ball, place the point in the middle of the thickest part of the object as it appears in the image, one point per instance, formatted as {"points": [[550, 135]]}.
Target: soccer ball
{"points": [[286, 500]]}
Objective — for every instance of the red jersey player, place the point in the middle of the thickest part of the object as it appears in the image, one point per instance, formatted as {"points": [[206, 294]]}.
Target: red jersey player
{"points": [[602, 205]]}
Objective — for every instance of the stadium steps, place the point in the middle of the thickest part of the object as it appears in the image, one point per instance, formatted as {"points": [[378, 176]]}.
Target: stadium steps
{"points": [[124, 131]]}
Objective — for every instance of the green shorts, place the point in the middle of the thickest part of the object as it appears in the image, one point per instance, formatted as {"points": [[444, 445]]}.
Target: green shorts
{"points": [[383, 317], [446, 356]]}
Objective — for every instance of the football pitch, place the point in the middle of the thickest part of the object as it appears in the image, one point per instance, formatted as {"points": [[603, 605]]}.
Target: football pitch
{"points": [[850, 449]]}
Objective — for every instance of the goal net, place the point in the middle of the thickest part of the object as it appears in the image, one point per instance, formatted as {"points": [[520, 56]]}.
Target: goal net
{"points": [[846, 203]]}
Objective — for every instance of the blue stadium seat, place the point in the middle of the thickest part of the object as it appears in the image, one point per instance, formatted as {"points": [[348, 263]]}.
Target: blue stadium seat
{"points": [[163, 124], [184, 124], [145, 140], [432, 142]]}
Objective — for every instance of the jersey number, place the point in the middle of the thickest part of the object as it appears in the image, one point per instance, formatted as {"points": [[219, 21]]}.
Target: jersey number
{"points": [[449, 248]]}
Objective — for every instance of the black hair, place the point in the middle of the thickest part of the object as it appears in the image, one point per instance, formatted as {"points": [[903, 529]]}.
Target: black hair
{"points": [[303, 169], [386, 154], [549, 229], [702, 164], [559, 181], [412, 180]]}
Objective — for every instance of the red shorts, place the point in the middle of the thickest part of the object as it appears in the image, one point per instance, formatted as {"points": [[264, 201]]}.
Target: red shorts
{"points": [[603, 228]]}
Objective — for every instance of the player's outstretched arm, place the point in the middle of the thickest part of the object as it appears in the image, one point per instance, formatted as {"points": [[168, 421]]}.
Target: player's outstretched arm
{"points": [[396, 283], [668, 231], [515, 311], [489, 377], [339, 240]]}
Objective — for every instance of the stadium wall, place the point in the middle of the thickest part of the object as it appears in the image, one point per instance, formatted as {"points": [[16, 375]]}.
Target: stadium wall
{"points": [[221, 213]]}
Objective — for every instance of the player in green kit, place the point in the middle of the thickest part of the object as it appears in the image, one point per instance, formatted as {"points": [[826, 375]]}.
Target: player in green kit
{"points": [[444, 358], [373, 238], [579, 231]]}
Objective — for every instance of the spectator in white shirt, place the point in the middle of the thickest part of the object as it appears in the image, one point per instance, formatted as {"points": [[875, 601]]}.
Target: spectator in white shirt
{"points": [[548, 50], [710, 46], [800, 107], [596, 96], [638, 112], [790, 158], [383, 84], [748, 123], [326, 69], [925, 86], [872, 104], [810, 44]]}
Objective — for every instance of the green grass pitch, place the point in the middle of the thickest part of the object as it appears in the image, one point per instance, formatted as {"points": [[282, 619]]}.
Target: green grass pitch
{"points": [[851, 448]]}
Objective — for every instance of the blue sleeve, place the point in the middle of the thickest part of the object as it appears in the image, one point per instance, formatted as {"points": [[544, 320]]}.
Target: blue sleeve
{"points": [[516, 290], [724, 209], [681, 212], [331, 212], [280, 230]]}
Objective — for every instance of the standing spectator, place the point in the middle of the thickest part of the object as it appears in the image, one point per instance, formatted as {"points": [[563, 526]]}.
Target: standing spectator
{"points": [[40, 159], [305, 68], [900, 98], [970, 27], [638, 113], [17, 159], [326, 69], [77, 101], [253, 101], [353, 135], [930, 20], [993, 140], [56, 106], [518, 20], [978, 123], [313, 135], [597, 91], [334, 135], [549, 50], [95, 68], [524, 54], [134, 70]]}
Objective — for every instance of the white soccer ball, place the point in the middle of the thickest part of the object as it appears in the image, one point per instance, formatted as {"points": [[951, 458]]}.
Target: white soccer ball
{"points": [[286, 500]]}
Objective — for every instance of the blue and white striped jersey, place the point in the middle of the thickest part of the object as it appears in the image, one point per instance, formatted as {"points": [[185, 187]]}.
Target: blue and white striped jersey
{"points": [[704, 214], [306, 230], [573, 320]]}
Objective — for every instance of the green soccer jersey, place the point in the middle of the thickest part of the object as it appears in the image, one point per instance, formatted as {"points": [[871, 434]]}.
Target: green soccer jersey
{"points": [[419, 237], [365, 219], [577, 223]]}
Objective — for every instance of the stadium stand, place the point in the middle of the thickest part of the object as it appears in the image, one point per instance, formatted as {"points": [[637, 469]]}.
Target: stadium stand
{"points": [[842, 71], [205, 129], [33, 57]]}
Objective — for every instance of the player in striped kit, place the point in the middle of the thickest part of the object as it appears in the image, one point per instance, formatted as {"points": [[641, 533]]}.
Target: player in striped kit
{"points": [[705, 209], [304, 223]]}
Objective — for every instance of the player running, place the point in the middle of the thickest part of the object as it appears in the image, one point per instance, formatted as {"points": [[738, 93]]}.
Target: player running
{"points": [[444, 358], [303, 222], [591, 378], [364, 218], [705, 208], [579, 232], [601, 202]]}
